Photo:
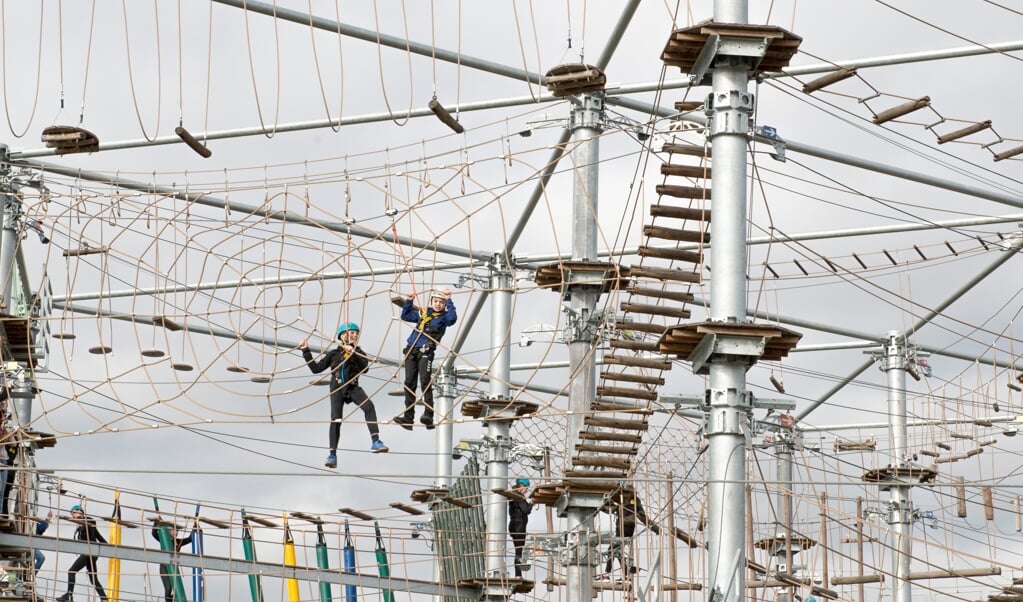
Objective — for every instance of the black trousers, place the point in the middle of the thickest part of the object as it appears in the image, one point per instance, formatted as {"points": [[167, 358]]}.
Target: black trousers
{"points": [[617, 548], [517, 531], [418, 367], [80, 563], [338, 399]]}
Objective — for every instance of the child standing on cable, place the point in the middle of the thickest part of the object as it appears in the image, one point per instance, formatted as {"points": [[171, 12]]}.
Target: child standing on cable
{"points": [[431, 323], [347, 362]]}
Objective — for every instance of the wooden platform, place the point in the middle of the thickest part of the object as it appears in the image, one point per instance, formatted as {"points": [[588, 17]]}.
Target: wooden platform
{"points": [[557, 276], [685, 44]]}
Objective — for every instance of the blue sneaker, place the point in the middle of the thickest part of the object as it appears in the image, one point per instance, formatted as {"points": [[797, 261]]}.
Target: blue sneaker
{"points": [[331, 461], [378, 447]]}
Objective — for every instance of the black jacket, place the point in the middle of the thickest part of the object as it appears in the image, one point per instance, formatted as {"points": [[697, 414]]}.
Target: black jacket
{"points": [[518, 512], [178, 542], [87, 531], [343, 372]]}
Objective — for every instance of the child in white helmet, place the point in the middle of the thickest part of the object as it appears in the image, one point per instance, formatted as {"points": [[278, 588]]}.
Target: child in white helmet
{"points": [[431, 323], [347, 362]]}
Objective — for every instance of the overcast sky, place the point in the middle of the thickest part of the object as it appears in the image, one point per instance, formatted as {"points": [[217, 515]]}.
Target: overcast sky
{"points": [[129, 422]]}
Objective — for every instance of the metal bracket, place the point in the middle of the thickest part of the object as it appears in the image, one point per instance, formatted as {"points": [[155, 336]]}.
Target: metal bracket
{"points": [[770, 134], [714, 347]]}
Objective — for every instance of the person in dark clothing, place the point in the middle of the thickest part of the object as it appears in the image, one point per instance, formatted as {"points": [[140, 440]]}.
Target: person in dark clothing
{"points": [[626, 512], [518, 518], [431, 323], [86, 531], [347, 362], [165, 570]]}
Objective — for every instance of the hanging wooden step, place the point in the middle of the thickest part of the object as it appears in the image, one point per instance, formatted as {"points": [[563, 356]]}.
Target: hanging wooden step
{"points": [[691, 150], [606, 436], [685, 171], [627, 392], [635, 345], [605, 405], [676, 234], [640, 362], [623, 424], [683, 192], [655, 310], [606, 449], [639, 326], [660, 293], [633, 378], [594, 474], [690, 213], [672, 254], [684, 106], [603, 461], [665, 274]]}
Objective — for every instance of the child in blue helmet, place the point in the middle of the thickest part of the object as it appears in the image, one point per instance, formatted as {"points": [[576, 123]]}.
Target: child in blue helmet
{"points": [[518, 517], [347, 362]]}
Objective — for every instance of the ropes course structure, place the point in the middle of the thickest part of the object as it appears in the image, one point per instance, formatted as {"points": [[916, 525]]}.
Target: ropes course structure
{"points": [[158, 289]]}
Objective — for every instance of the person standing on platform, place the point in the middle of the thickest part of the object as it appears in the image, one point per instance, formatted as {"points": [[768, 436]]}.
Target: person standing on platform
{"points": [[518, 517]]}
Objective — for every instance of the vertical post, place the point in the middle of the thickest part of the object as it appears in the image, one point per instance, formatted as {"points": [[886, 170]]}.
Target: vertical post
{"points": [[894, 363], [10, 227], [586, 127], [729, 108], [783, 450], [443, 399], [672, 553], [498, 431]]}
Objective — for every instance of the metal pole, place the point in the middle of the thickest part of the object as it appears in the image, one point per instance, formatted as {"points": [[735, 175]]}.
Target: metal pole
{"points": [[728, 415], [894, 364], [581, 333], [498, 431], [784, 511]]}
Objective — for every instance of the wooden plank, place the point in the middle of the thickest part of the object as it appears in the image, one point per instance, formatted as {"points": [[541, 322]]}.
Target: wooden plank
{"points": [[640, 362], [616, 423], [656, 310], [677, 234], [606, 436], [633, 378], [691, 150], [606, 462], [666, 274], [640, 326], [406, 508], [605, 449], [682, 192], [355, 513], [671, 254], [627, 392], [691, 213], [685, 171], [634, 345]]}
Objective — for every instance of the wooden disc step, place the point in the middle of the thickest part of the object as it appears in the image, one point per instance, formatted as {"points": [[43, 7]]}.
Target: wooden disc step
{"points": [[624, 424], [633, 378], [653, 363], [690, 213], [655, 310], [634, 345], [672, 254], [685, 171], [639, 326], [683, 192], [677, 234], [606, 449], [594, 474], [660, 293], [691, 150], [666, 274], [607, 436], [603, 461], [606, 405]]}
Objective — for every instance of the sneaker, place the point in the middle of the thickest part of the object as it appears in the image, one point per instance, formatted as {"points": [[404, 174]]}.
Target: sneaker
{"points": [[404, 421], [65, 598], [378, 447], [331, 461], [427, 419]]}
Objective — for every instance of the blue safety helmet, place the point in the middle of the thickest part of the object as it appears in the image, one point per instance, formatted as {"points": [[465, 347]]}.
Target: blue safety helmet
{"points": [[76, 508], [346, 327], [522, 481]]}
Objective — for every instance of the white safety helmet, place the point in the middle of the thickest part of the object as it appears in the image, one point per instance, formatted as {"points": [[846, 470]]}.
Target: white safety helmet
{"points": [[437, 294]]}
